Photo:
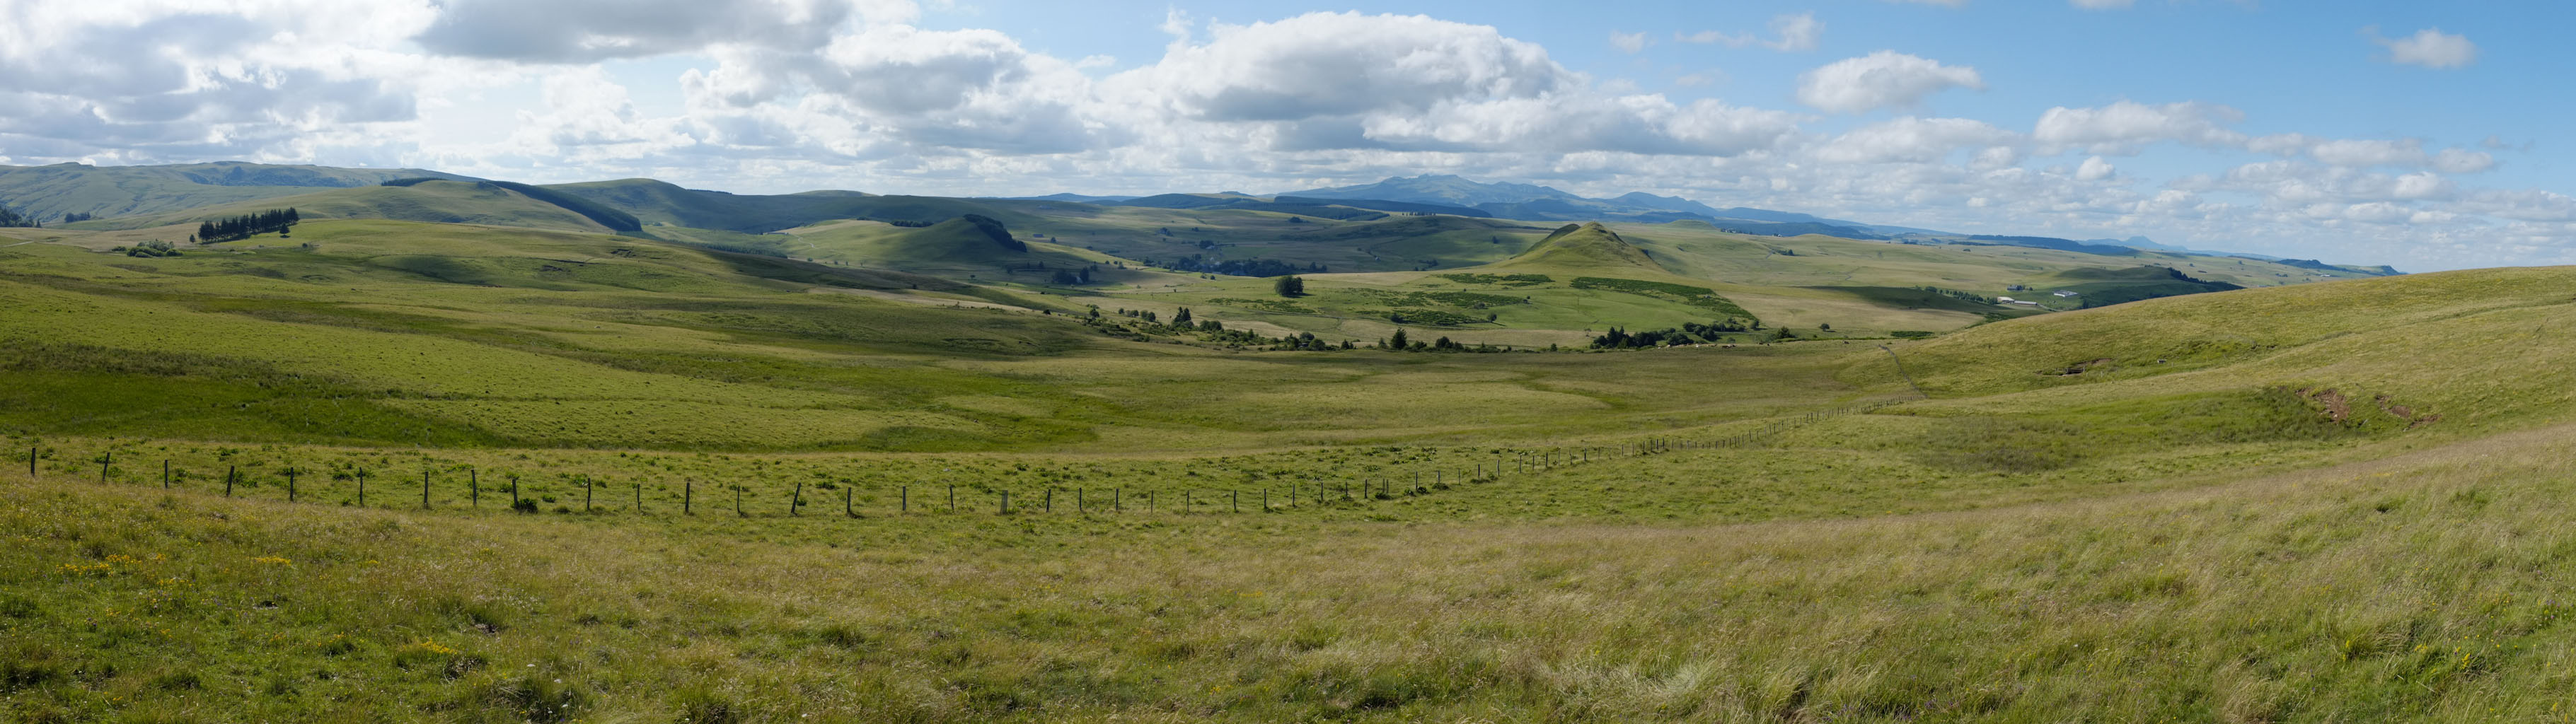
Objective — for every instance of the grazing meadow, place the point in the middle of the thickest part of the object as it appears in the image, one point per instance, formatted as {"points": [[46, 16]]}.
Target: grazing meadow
{"points": [[400, 471]]}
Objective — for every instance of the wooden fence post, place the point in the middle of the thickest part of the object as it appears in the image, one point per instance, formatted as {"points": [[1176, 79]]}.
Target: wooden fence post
{"points": [[907, 499], [362, 485], [585, 493], [474, 486], [228, 482], [165, 475], [1265, 500], [639, 497], [1078, 505], [796, 499], [1238, 500], [737, 503], [514, 491], [952, 497], [103, 462], [846, 508], [290, 485], [688, 495], [1006, 502], [1050, 499], [1117, 500], [31, 462], [424, 490]]}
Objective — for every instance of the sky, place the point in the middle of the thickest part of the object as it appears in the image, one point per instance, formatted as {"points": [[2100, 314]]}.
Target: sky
{"points": [[2422, 135]]}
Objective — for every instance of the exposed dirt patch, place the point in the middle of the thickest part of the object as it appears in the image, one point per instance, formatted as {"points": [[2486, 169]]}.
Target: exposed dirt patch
{"points": [[2412, 418], [2103, 364], [2337, 408]]}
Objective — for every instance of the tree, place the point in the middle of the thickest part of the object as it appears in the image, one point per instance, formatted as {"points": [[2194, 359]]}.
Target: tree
{"points": [[1182, 319], [1290, 286], [1399, 338]]}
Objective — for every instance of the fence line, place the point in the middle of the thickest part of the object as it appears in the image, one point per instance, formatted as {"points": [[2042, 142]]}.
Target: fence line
{"points": [[1312, 491]]}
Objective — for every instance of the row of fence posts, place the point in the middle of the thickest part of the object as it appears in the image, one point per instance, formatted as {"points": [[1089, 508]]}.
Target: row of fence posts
{"points": [[1380, 487], [796, 498]]}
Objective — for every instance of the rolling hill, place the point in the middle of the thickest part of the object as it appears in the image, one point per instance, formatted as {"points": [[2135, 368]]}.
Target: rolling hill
{"points": [[49, 192], [441, 201]]}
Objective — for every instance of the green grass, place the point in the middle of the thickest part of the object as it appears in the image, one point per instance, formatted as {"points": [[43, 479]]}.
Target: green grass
{"points": [[2332, 502], [454, 202]]}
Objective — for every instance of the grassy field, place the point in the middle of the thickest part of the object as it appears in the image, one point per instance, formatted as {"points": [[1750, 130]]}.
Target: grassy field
{"points": [[2319, 502]]}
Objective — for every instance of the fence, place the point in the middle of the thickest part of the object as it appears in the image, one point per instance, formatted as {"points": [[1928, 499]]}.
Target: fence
{"points": [[1311, 493]]}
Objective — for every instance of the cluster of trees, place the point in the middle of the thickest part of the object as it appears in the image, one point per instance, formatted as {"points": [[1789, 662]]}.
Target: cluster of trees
{"points": [[1289, 286], [1960, 295], [994, 228], [155, 247], [1213, 332], [244, 227], [10, 217], [1688, 333], [73, 217], [1238, 267], [1401, 342]]}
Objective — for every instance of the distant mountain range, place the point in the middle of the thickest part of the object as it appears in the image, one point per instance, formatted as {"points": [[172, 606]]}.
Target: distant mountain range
{"points": [[49, 193], [1541, 203]]}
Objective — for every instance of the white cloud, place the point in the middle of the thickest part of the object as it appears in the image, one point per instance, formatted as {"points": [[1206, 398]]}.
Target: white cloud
{"points": [[1795, 33], [2365, 153], [1628, 42], [2094, 169], [1914, 140], [2424, 186], [2126, 127], [573, 31], [1880, 80], [2430, 48], [1328, 64], [2461, 160]]}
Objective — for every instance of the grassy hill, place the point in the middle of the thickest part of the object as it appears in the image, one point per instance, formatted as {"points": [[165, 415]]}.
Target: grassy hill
{"points": [[2313, 502], [49, 192], [661, 203], [452, 202], [1584, 247]]}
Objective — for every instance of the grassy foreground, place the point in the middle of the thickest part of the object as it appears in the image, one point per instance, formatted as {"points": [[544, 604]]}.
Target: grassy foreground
{"points": [[2430, 586]]}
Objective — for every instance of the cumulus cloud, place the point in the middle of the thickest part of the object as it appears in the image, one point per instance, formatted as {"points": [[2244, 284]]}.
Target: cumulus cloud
{"points": [[1793, 33], [111, 81], [1628, 42], [1917, 140], [2094, 169], [1327, 64], [574, 31], [2126, 127], [2429, 47], [1880, 80]]}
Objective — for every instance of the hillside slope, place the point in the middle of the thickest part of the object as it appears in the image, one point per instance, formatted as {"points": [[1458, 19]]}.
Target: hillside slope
{"points": [[49, 192], [447, 202]]}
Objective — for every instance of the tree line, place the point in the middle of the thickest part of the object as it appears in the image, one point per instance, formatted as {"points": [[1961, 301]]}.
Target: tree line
{"points": [[11, 218], [243, 227]]}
